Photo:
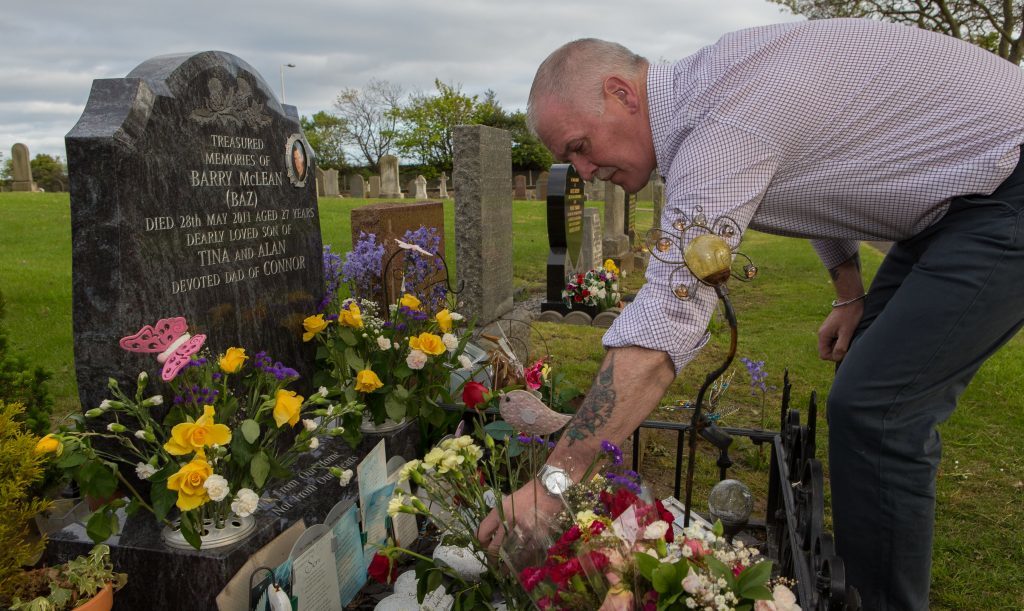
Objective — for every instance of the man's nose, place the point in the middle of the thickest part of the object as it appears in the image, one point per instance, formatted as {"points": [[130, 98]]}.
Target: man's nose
{"points": [[583, 166]]}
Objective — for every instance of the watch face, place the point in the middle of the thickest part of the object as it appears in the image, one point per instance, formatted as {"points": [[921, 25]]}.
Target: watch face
{"points": [[557, 482]]}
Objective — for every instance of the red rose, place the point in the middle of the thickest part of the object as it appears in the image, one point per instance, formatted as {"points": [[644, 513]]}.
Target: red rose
{"points": [[531, 576], [473, 394], [596, 527], [667, 516], [599, 560], [621, 501], [382, 570]]}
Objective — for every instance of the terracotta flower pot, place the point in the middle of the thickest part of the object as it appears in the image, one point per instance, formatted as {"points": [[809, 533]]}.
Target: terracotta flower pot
{"points": [[103, 601]]}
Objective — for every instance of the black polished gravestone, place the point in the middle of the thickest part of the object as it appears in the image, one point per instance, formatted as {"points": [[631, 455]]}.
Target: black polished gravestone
{"points": [[565, 232], [192, 194], [630, 214]]}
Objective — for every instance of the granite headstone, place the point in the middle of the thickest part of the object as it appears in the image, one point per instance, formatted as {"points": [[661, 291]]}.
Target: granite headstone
{"points": [[420, 184], [331, 183], [482, 178], [21, 169], [374, 186], [191, 195], [565, 231], [520, 187], [389, 187], [442, 186], [357, 186]]}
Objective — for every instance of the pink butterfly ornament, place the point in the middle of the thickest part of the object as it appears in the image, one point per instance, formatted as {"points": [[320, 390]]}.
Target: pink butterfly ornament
{"points": [[170, 339]]}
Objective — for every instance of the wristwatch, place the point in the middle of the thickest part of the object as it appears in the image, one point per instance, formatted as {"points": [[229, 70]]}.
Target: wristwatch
{"points": [[554, 479]]}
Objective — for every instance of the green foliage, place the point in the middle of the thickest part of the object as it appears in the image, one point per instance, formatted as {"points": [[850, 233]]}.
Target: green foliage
{"points": [[24, 384], [427, 124], [20, 469], [990, 24], [49, 173], [75, 582], [326, 134], [527, 151]]}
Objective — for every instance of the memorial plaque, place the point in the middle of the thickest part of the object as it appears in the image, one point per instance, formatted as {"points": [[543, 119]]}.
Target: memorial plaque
{"points": [[192, 194], [565, 231]]}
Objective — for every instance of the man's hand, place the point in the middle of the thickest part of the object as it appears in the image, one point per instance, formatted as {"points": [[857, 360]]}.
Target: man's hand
{"points": [[530, 507], [836, 332]]}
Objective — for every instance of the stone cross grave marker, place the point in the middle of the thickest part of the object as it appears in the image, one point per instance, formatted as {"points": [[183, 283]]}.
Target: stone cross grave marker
{"points": [[565, 231], [389, 187], [21, 169], [482, 178], [192, 194]]}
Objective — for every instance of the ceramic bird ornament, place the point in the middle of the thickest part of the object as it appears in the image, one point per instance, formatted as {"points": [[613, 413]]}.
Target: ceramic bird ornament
{"points": [[528, 414]]}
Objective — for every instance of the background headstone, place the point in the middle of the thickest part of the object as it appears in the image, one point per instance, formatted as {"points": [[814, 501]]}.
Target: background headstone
{"points": [[482, 178], [565, 232], [646, 193], [616, 243], [375, 186], [331, 183], [410, 187], [542, 186], [21, 169], [388, 221], [442, 185], [190, 196], [596, 189], [592, 239], [658, 193], [631, 203], [520, 187], [389, 187], [421, 187], [321, 189], [357, 186]]}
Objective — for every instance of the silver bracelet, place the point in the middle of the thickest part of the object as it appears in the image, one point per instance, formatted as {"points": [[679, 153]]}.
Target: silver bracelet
{"points": [[838, 304]]}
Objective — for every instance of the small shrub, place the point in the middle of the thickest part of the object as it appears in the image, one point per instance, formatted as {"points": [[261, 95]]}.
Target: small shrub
{"points": [[21, 383]]}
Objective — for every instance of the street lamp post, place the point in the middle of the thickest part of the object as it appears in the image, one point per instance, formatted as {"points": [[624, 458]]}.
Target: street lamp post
{"points": [[283, 66]]}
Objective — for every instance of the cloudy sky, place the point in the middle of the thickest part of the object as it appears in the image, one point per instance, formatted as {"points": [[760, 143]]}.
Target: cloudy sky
{"points": [[53, 49]]}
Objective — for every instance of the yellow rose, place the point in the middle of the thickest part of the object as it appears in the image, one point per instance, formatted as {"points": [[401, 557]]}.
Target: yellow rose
{"points": [[367, 381], [313, 325], [427, 343], [352, 317], [233, 360], [287, 407], [609, 265], [444, 320], [189, 483], [188, 437], [49, 445], [410, 301]]}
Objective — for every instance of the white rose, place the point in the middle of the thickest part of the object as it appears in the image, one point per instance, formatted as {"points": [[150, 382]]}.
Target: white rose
{"points": [[384, 343], [465, 362], [416, 359], [656, 530], [245, 502], [144, 470], [309, 424], [450, 342], [346, 477], [314, 443], [217, 487]]}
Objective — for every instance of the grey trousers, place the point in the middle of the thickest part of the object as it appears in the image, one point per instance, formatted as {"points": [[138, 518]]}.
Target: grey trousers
{"points": [[941, 303]]}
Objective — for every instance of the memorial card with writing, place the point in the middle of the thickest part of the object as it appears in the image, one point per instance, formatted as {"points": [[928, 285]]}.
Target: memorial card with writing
{"points": [[314, 571], [371, 475], [191, 195], [349, 561]]}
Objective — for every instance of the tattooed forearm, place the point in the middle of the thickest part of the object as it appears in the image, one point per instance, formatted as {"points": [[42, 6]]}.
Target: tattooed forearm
{"points": [[855, 259], [596, 408]]}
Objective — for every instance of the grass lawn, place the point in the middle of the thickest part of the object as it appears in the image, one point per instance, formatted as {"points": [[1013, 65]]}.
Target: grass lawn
{"points": [[979, 546]]}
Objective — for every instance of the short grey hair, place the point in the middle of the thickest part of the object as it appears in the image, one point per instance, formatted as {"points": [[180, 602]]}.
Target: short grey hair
{"points": [[576, 72]]}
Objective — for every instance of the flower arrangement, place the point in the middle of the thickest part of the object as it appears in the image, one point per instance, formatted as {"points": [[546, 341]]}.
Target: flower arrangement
{"points": [[597, 288], [229, 427], [554, 388]]}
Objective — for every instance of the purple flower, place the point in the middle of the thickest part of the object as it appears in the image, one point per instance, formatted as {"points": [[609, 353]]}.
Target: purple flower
{"points": [[421, 272], [623, 481], [332, 277], [612, 451], [362, 268], [758, 375]]}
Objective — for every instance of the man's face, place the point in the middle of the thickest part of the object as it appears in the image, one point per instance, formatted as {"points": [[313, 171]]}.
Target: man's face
{"points": [[614, 146]]}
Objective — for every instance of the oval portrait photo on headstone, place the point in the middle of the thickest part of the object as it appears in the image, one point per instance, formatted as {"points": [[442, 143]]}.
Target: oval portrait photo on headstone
{"points": [[296, 160]]}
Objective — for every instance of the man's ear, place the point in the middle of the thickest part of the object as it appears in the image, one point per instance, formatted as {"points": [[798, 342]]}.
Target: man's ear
{"points": [[622, 91]]}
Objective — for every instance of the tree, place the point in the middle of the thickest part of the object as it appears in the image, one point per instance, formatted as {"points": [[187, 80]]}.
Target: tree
{"points": [[527, 151], [49, 173], [427, 124], [991, 24], [326, 134], [370, 119]]}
